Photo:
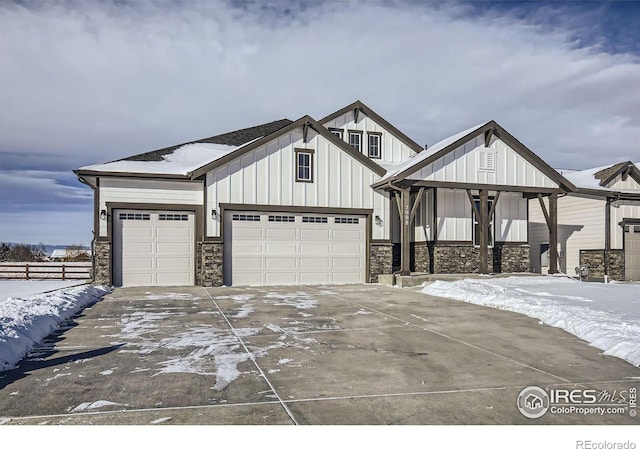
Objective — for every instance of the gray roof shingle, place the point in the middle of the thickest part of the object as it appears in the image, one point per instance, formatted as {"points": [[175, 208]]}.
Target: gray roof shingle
{"points": [[233, 138]]}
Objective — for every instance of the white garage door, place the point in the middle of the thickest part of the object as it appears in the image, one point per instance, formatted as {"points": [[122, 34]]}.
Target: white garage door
{"points": [[153, 248], [283, 248], [632, 253]]}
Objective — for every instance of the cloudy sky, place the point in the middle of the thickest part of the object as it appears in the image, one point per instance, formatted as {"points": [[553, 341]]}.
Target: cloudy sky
{"points": [[91, 81]]}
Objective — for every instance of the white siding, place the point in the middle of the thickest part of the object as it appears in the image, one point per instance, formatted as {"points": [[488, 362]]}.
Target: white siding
{"points": [[266, 176], [580, 226], [424, 218], [393, 149], [455, 215], [627, 184], [462, 165], [123, 190], [627, 209]]}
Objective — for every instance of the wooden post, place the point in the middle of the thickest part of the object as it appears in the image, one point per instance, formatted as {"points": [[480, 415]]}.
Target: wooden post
{"points": [[405, 233], [26, 271], [553, 233], [483, 229], [63, 273]]}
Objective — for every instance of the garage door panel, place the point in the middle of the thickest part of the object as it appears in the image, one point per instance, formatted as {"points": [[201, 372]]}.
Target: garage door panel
{"points": [[174, 263], [174, 247], [135, 232], [244, 233], [315, 235], [136, 264], [311, 249], [315, 278], [276, 277], [347, 263], [248, 247], [632, 253], [281, 233], [343, 277], [273, 248], [346, 248], [135, 249], [346, 235], [251, 263], [275, 263], [171, 278], [174, 233], [317, 263]]}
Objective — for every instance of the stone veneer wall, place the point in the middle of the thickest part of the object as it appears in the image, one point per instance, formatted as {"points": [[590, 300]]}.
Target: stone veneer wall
{"points": [[452, 257], [594, 259], [102, 263], [422, 257], [380, 260], [209, 264], [511, 258]]}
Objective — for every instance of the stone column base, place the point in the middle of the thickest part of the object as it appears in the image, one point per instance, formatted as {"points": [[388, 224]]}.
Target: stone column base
{"points": [[594, 259], [210, 264], [102, 263], [380, 260]]}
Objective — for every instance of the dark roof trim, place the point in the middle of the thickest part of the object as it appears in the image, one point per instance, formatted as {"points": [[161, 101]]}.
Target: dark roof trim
{"points": [[609, 174], [118, 174], [476, 186], [304, 121], [361, 107], [500, 132]]}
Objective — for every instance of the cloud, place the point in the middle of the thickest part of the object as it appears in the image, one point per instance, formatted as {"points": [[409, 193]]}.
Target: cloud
{"points": [[47, 226], [22, 189], [90, 82]]}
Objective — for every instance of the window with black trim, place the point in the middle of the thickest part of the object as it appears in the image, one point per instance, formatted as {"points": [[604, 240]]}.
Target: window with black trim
{"points": [[476, 225], [245, 217], [173, 217], [314, 220], [355, 140], [143, 217], [282, 218], [346, 220], [339, 133], [375, 145], [304, 165]]}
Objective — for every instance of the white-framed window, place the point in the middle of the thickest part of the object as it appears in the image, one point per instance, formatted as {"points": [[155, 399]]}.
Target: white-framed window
{"points": [[476, 225], [304, 165], [339, 133], [374, 145], [355, 140]]}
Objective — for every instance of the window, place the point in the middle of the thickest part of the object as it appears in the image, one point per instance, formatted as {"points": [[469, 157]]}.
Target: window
{"points": [[304, 165], [476, 228], [544, 255], [355, 140], [282, 218], [337, 132], [346, 220], [486, 161], [245, 217], [314, 219], [173, 217], [636, 229], [145, 217], [375, 148]]}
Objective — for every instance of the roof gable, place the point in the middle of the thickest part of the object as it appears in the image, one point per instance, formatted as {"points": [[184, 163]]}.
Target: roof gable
{"points": [[303, 122], [443, 153], [617, 173], [359, 107]]}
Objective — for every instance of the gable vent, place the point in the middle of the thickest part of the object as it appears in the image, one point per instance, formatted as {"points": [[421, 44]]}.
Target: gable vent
{"points": [[487, 161]]}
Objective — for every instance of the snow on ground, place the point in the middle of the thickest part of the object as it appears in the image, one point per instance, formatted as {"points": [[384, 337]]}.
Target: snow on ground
{"points": [[605, 315], [27, 320], [21, 289]]}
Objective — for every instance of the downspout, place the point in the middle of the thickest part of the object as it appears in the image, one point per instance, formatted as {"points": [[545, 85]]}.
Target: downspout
{"points": [[93, 240]]}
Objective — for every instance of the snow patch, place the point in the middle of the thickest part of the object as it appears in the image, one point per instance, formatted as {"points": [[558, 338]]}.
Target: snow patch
{"points": [[605, 315], [92, 405], [161, 420]]}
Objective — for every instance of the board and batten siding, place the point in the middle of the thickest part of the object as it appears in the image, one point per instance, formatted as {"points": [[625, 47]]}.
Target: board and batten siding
{"points": [[126, 190], [393, 149], [627, 184], [580, 226], [266, 176], [455, 216], [625, 209], [463, 165]]}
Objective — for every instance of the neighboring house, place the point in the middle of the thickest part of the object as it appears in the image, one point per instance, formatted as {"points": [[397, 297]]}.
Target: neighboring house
{"points": [[76, 255], [315, 202], [598, 224]]}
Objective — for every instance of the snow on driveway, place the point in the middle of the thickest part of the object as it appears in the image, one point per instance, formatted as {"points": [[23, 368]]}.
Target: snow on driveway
{"points": [[605, 315], [28, 320], [20, 289]]}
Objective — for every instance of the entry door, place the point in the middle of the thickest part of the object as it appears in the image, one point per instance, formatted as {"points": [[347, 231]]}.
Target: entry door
{"points": [[153, 248], [632, 252], [285, 248]]}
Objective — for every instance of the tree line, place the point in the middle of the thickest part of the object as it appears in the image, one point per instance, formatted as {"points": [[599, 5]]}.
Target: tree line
{"points": [[20, 252]]}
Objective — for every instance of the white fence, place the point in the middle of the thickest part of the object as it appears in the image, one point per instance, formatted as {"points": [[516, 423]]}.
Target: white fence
{"points": [[45, 270]]}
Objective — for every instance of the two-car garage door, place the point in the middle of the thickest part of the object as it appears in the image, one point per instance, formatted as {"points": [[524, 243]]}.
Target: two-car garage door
{"points": [[269, 248], [632, 252]]}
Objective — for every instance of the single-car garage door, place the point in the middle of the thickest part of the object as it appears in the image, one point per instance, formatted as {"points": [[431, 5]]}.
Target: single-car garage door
{"points": [[153, 248], [286, 248], [632, 252]]}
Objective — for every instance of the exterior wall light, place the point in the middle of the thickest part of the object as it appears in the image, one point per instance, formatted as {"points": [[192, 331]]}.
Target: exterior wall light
{"points": [[214, 214], [103, 214], [378, 220]]}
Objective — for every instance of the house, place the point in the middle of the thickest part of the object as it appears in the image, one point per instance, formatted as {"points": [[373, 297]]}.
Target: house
{"points": [[598, 224], [317, 201], [70, 255]]}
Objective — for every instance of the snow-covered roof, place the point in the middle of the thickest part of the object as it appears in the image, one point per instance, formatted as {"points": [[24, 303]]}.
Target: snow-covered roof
{"points": [[62, 253], [396, 169], [586, 179], [181, 161]]}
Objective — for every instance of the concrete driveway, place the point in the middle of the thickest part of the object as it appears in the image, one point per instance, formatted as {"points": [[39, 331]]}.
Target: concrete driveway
{"points": [[363, 354]]}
